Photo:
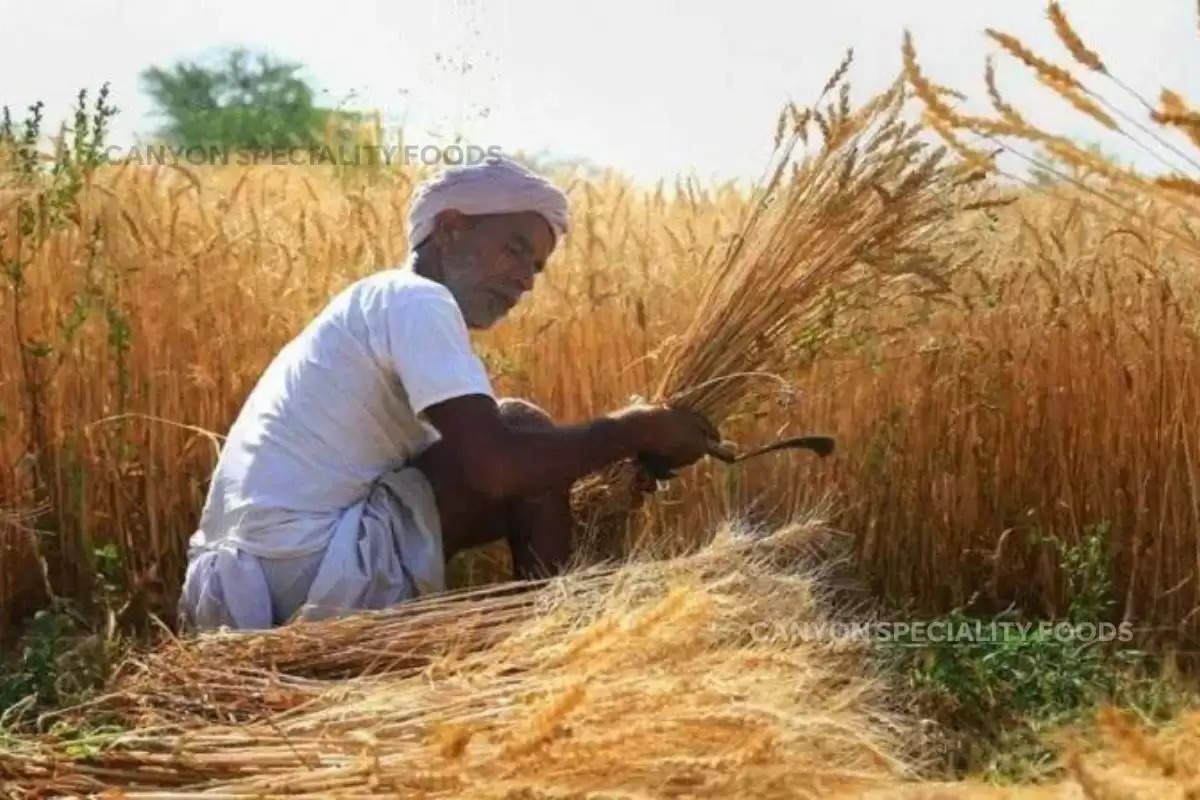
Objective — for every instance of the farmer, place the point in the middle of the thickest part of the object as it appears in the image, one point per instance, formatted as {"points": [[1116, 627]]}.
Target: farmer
{"points": [[372, 448]]}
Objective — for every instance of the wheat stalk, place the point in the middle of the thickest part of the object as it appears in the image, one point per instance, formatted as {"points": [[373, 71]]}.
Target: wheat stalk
{"points": [[1072, 41], [870, 213], [680, 686]]}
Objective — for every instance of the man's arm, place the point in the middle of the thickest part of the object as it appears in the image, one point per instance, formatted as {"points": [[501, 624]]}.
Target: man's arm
{"points": [[539, 534], [499, 462]]}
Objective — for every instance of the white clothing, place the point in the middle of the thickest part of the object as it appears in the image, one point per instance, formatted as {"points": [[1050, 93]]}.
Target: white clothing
{"points": [[386, 549], [288, 581], [315, 461], [497, 186], [335, 410]]}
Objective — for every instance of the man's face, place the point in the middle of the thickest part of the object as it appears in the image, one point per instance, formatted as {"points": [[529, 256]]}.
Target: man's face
{"points": [[489, 261]]}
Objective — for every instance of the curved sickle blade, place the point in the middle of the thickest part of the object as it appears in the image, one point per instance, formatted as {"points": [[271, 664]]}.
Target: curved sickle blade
{"points": [[821, 445]]}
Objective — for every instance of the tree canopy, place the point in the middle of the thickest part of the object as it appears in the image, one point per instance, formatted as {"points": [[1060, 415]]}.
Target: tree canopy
{"points": [[245, 100]]}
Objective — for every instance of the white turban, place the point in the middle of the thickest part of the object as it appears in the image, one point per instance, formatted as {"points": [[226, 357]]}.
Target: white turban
{"points": [[496, 186]]}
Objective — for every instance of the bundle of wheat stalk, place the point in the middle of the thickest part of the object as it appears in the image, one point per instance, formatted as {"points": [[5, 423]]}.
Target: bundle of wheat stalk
{"points": [[867, 216], [232, 677], [656, 678]]}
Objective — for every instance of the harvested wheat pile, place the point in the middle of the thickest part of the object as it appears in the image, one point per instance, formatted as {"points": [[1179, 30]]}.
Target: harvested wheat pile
{"points": [[651, 679]]}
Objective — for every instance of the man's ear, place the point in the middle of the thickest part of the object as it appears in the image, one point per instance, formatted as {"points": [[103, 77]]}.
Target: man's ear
{"points": [[448, 225]]}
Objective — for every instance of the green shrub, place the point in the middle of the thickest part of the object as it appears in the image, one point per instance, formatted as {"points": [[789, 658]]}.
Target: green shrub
{"points": [[996, 696]]}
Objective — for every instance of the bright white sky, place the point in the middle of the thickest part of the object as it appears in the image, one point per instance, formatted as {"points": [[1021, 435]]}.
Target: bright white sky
{"points": [[652, 87]]}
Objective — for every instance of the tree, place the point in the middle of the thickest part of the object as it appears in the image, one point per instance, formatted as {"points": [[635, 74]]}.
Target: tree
{"points": [[244, 101]]}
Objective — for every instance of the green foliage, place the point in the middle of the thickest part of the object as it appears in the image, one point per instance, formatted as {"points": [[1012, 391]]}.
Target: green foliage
{"points": [[110, 572], [995, 696], [33, 673], [59, 662], [1014, 674], [62, 658], [49, 189], [1085, 569], [245, 100], [50, 199]]}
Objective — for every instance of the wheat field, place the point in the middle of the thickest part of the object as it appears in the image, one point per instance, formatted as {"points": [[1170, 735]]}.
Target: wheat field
{"points": [[1041, 380], [1052, 388]]}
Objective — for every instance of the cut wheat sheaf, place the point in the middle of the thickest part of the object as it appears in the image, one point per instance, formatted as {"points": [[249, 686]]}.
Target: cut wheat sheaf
{"points": [[633, 679], [858, 210]]}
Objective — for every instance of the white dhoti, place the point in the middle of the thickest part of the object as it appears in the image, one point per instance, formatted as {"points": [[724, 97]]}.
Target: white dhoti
{"points": [[385, 549]]}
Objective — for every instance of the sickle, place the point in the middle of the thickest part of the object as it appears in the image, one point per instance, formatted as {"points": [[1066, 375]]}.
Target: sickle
{"points": [[821, 445]]}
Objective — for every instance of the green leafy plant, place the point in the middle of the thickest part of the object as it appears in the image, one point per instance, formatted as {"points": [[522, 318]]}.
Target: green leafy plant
{"points": [[48, 201], [60, 660], [50, 186], [996, 695]]}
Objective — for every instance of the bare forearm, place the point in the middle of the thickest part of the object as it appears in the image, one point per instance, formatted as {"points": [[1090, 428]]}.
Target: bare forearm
{"points": [[530, 462], [496, 460], [514, 463]]}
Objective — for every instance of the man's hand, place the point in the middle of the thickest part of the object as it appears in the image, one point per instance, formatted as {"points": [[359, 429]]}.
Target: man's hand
{"points": [[481, 461], [676, 436]]}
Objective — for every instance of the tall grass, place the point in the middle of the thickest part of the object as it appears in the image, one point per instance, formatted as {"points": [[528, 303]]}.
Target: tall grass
{"points": [[1091, 341], [1052, 391]]}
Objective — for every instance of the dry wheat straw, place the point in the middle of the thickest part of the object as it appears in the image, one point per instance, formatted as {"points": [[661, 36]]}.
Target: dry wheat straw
{"points": [[825, 238], [1072, 41], [672, 693]]}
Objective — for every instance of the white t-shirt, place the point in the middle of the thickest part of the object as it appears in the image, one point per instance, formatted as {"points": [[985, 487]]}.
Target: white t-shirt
{"points": [[337, 408]]}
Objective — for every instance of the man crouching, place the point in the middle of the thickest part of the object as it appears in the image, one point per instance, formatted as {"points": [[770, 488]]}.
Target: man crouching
{"points": [[372, 448]]}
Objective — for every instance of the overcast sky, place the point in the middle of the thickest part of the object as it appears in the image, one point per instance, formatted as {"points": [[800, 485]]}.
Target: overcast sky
{"points": [[652, 88]]}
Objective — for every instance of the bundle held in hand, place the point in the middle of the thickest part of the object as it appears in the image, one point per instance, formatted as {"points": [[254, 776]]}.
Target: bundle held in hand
{"points": [[867, 217]]}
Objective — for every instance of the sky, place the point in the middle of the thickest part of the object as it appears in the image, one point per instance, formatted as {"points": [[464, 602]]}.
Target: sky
{"points": [[653, 88]]}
